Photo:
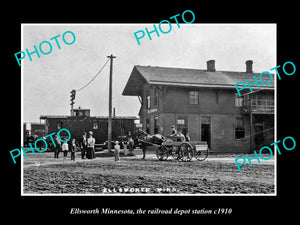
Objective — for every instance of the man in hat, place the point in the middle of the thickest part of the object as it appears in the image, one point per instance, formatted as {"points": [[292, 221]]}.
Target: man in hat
{"points": [[83, 145], [173, 131], [57, 146]]}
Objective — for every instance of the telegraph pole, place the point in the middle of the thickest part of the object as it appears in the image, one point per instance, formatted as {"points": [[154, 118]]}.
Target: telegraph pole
{"points": [[110, 102]]}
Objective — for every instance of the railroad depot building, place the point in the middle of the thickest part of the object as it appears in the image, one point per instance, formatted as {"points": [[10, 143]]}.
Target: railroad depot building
{"points": [[205, 104]]}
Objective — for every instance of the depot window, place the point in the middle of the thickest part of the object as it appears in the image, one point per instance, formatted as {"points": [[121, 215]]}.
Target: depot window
{"points": [[182, 124], [239, 128], [95, 126], [193, 97], [238, 100], [59, 125]]}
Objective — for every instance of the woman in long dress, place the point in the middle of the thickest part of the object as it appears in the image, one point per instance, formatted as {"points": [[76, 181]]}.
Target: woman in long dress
{"points": [[91, 146]]}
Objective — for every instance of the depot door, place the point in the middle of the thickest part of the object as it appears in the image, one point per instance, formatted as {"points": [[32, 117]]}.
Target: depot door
{"points": [[206, 130], [259, 135]]}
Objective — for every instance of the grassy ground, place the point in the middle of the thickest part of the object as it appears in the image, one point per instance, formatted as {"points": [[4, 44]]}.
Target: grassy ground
{"points": [[44, 174]]}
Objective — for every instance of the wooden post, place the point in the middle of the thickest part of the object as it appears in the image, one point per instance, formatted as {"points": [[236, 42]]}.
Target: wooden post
{"points": [[110, 103]]}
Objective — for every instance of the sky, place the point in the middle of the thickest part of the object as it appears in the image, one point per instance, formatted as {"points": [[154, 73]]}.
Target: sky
{"points": [[48, 80]]}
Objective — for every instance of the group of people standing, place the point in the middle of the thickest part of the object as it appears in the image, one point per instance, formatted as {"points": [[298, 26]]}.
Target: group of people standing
{"points": [[86, 145], [64, 147]]}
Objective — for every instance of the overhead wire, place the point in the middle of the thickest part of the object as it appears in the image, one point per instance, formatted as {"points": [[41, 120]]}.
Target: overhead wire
{"points": [[93, 77]]}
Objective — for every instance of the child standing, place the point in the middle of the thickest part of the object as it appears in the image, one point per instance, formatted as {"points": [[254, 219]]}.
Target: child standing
{"points": [[65, 148], [117, 151], [73, 149]]}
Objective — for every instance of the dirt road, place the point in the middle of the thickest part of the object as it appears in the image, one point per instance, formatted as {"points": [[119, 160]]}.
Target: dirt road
{"points": [[217, 175]]}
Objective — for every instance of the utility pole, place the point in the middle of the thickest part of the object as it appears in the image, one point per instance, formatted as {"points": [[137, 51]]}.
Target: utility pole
{"points": [[110, 102]]}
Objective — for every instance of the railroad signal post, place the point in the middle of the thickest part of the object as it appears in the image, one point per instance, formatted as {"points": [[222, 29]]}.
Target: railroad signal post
{"points": [[73, 93]]}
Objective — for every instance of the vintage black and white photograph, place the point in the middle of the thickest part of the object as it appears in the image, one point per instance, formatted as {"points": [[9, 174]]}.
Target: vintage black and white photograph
{"points": [[148, 109]]}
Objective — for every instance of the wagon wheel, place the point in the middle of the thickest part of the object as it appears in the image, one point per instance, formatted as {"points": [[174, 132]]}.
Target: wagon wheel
{"points": [[175, 151], [162, 153], [201, 155], [186, 152]]}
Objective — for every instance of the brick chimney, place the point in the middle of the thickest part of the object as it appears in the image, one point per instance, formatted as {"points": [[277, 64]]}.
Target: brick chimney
{"points": [[249, 66], [211, 66]]}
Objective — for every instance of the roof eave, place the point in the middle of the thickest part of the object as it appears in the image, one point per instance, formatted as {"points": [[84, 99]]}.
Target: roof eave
{"points": [[202, 85]]}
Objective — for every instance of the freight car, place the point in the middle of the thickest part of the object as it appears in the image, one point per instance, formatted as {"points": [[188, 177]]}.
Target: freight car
{"points": [[121, 125]]}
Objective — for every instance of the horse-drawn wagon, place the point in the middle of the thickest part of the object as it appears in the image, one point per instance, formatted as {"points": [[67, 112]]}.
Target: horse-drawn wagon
{"points": [[175, 146]]}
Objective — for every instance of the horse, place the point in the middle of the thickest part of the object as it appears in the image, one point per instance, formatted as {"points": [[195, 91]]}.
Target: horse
{"points": [[146, 139]]}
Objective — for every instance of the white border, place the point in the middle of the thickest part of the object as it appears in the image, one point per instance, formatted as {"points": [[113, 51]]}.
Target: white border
{"points": [[22, 112], [129, 194]]}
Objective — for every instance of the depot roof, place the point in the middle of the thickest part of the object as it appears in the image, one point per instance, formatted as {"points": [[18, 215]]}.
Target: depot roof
{"points": [[183, 77]]}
